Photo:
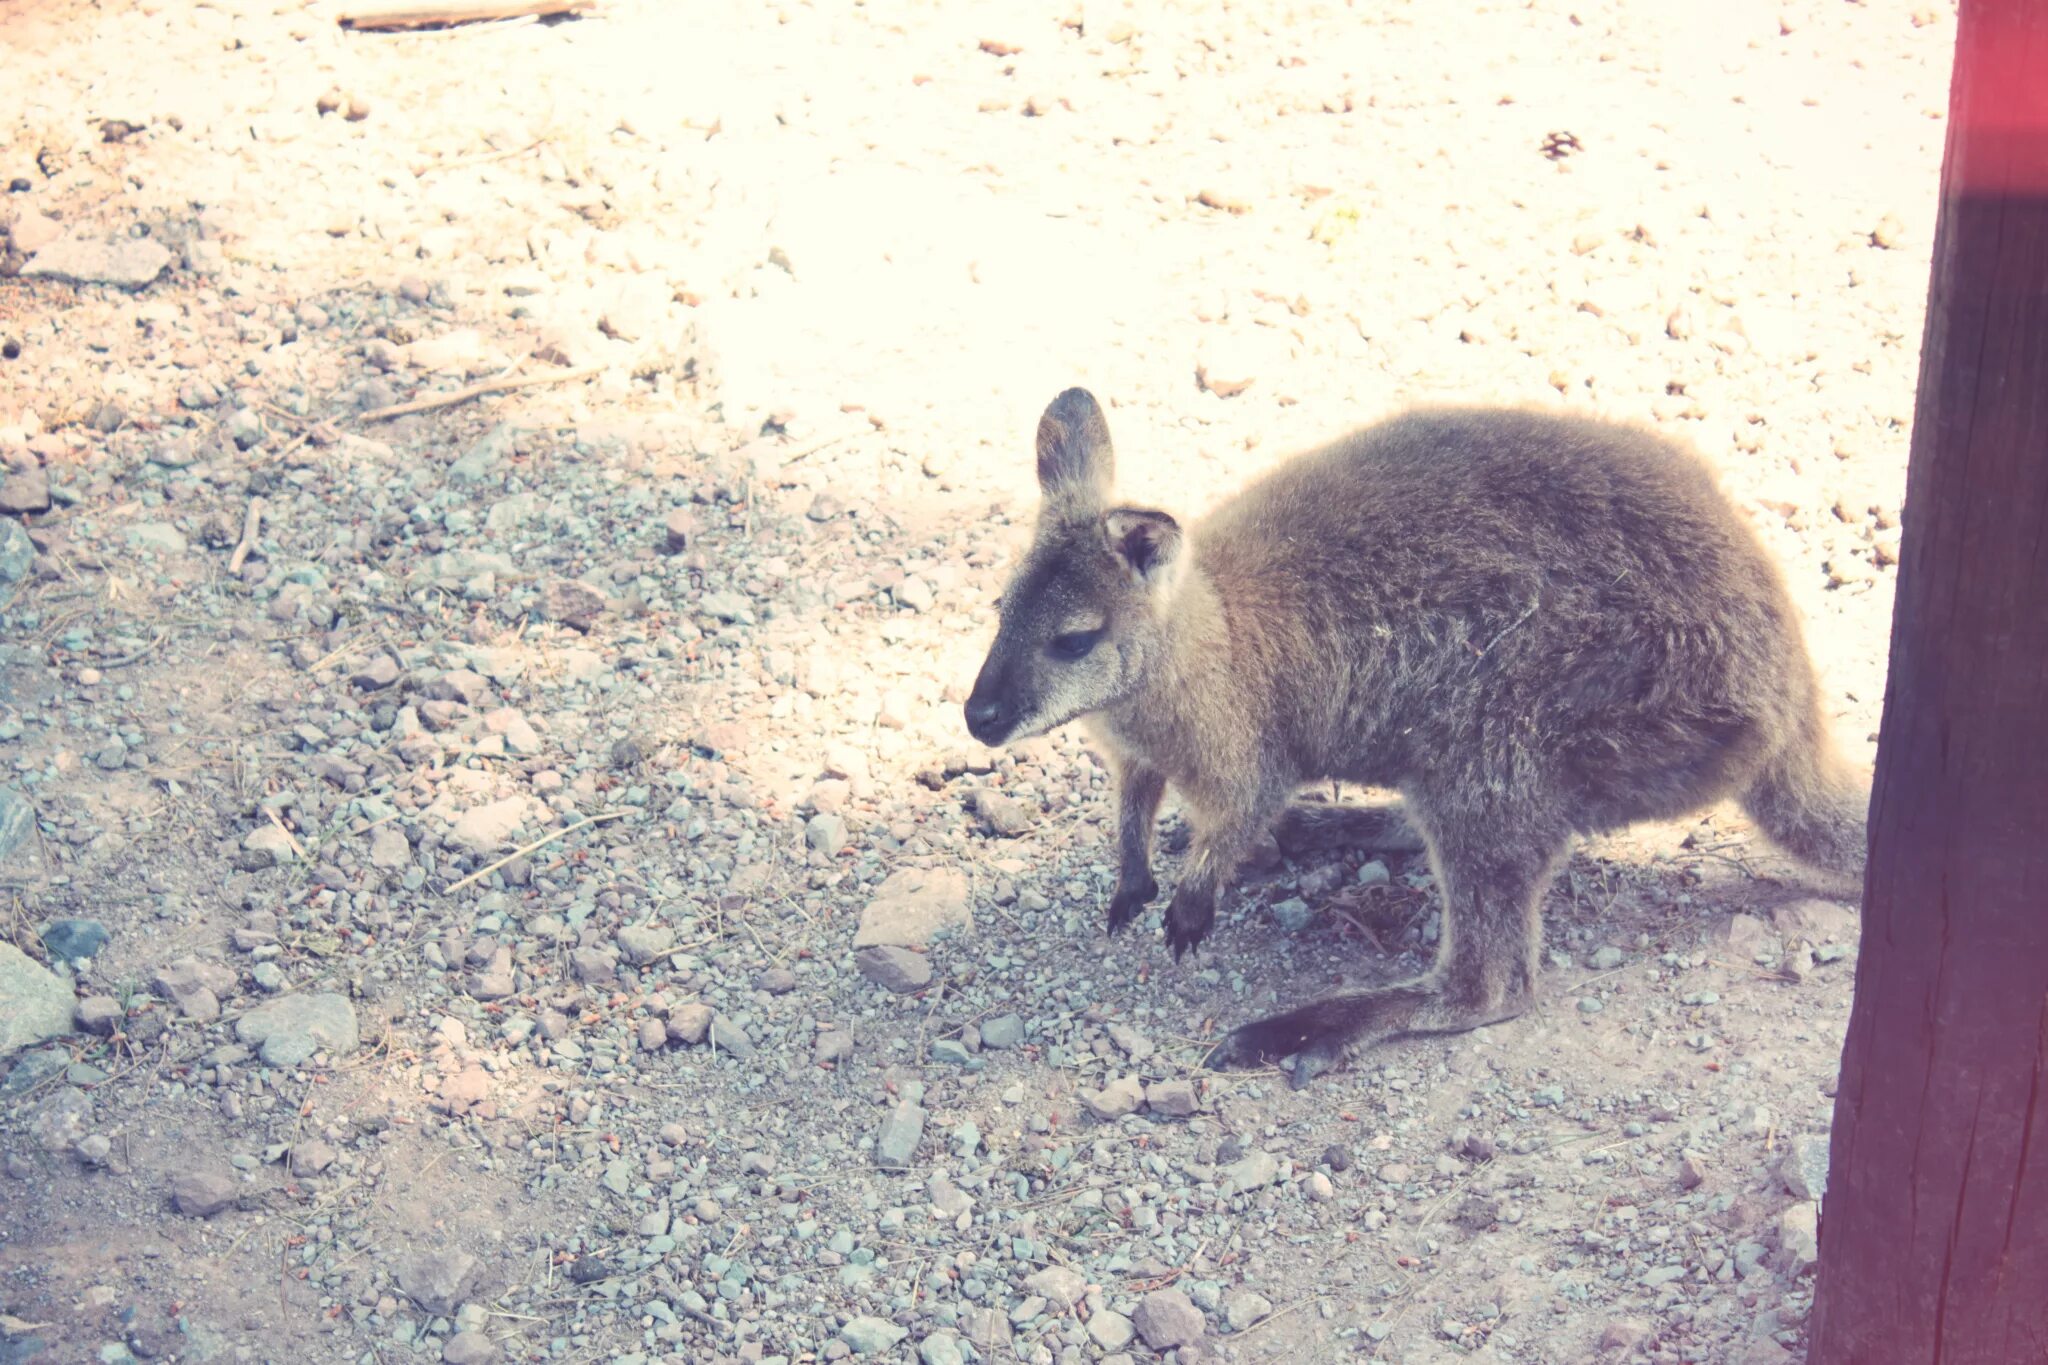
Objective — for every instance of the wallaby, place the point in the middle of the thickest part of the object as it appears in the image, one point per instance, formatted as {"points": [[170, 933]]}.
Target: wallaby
{"points": [[1530, 626]]}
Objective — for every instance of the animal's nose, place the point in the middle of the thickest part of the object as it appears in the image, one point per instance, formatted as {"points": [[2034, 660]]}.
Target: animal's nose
{"points": [[984, 717]]}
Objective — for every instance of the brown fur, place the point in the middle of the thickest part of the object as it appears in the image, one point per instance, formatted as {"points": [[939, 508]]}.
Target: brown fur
{"points": [[1531, 626]]}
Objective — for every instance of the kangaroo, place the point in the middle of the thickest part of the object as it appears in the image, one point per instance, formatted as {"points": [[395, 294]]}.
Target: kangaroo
{"points": [[1531, 626]]}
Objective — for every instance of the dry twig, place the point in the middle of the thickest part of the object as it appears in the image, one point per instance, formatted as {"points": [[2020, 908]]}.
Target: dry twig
{"points": [[252, 522], [522, 851], [409, 14], [449, 400]]}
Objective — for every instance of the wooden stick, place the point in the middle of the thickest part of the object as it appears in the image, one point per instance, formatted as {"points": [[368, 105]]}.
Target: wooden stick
{"points": [[384, 14], [449, 400], [478, 159], [251, 523], [563, 832]]}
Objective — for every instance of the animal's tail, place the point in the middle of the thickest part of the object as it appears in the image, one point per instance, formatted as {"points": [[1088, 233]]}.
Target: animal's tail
{"points": [[1814, 805], [1316, 826]]}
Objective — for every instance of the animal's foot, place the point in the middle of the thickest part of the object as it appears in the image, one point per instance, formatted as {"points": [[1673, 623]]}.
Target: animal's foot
{"points": [[1128, 901], [1185, 931]]}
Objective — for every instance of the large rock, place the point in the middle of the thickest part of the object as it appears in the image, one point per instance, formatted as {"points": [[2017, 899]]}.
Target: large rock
{"points": [[896, 969], [17, 556], [35, 1004], [866, 1336], [1168, 1319], [17, 822], [202, 1193], [487, 828], [901, 1131], [1804, 1166], [125, 262], [289, 1031], [195, 987], [912, 906], [439, 1281], [70, 940]]}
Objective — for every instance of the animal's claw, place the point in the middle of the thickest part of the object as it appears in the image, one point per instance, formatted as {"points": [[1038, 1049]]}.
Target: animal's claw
{"points": [[1128, 901]]}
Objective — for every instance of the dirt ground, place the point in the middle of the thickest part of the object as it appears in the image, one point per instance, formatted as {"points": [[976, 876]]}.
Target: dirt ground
{"points": [[687, 621]]}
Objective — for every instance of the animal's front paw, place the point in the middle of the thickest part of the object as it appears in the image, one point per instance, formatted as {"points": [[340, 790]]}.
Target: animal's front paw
{"points": [[1188, 921], [1128, 901]]}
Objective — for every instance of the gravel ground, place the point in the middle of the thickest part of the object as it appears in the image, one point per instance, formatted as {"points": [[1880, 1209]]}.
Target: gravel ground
{"points": [[510, 882]]}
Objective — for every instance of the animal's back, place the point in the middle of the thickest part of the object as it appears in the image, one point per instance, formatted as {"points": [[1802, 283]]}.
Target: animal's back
{"points": [[1471, 587]]}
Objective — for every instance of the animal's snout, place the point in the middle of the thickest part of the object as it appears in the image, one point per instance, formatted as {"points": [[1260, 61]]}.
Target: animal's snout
{"points": [[987, 718]]}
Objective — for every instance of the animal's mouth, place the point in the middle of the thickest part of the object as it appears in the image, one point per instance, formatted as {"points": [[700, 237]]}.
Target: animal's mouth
{"points": [[1004, 731]]}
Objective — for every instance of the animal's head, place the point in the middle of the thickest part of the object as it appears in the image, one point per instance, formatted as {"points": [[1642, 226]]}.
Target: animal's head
{"points": [[1085, 612]]}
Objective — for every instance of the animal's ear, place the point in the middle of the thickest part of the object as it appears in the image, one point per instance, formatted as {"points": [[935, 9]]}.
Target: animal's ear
{"points": [[1074, 457], [1147, 543]]}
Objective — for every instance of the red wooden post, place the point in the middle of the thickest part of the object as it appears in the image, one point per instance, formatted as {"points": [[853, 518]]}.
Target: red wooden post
{"points": [[1934, 1231]]}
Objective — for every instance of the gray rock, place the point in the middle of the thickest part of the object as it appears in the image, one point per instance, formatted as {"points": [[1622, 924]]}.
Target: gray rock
{"points": [[896, 1141], [124, 262], [1004, 815], [17, 556], [1113, 1101], [727, 1036], [439, 1281], [99, 1015], [941, 1348], [312, 1157], [1293, 914], [469, 1348], [202, 1194], [643, 943], [593, 966], [1061, 1287], [24, 492], [867, 1335], [1804, 1165], [17, 821], [71, 940], [1003, 1032], [1255, 1171], [267, 845], [1798, 1238], [1174, 1099], [390, 850], [1245, 1308], [1110, 1330], [1167, 1320], [195, 987], [290, 1030], [896, 969], [485, 829], [776, 981], [689, 1024], [64, 1118], [826, 833], [913, 906], [35, 1004], [834, 1046], [157, 537]]}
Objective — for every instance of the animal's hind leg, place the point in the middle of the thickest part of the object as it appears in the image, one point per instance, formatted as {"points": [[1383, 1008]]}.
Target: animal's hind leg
{"points": [[1492, 870]]}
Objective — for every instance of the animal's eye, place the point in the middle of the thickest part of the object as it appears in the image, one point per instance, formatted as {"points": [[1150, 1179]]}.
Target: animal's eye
{"points": [[1075, 644]]}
